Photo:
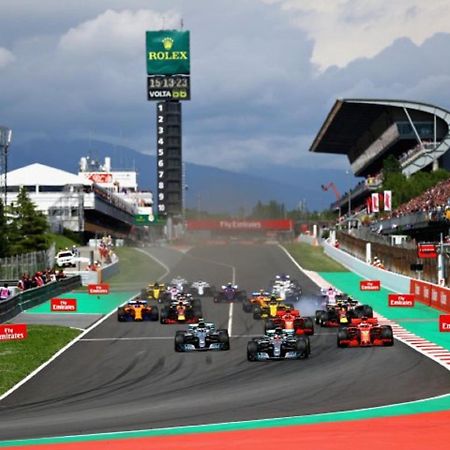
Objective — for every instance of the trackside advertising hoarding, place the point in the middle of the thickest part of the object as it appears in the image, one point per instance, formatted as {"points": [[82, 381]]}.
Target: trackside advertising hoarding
{"points": [[13, 332], [98, 289], [241, 225], [63, 304], [369, 285], [431, 294], [168, 52], [401, 300], [444, 323]]}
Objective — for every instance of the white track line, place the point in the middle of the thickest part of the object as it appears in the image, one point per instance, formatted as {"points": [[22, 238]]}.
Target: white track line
{"points": [[164, 266], [417, 343], [60, 352], [146, 338]]}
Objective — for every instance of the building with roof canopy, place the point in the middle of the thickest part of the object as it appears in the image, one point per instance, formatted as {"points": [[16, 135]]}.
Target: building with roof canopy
{"points": [[369, 130]]}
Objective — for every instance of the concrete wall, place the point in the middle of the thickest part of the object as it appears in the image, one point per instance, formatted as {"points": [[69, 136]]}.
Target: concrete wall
{"points": [[389, 280]]}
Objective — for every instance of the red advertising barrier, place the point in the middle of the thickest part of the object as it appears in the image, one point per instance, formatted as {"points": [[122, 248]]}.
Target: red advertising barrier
{"points": [[431, 294], [241, 225], [444, 322], [401, 300], [13, 332], [97, 289], [63, 304], [369, 285]]}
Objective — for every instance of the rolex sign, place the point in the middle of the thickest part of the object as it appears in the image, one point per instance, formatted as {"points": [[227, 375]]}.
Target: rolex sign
{"points": [[167, 52]]}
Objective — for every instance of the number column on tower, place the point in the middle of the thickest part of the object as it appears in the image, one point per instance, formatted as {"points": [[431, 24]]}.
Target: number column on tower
{"points": [[169, 158]]}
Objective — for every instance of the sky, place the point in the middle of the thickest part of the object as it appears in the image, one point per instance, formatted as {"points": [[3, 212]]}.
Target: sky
{"points": [[264, 73]]}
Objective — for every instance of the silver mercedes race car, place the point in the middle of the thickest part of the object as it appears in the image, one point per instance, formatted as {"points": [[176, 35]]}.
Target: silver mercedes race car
{"points": [[202, 336], [278, 344]]}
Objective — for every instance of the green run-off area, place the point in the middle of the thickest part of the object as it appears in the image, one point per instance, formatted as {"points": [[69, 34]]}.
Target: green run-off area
{"points": [[86, 303], [421, 320]]}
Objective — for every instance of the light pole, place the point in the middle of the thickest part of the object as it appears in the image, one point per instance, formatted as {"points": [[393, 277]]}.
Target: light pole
{"points": [[5, 141], [349, 198]]}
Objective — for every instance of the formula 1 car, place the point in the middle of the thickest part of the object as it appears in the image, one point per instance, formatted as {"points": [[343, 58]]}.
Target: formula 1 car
{"points": [[184, 309], [271, 309], [286, 288], [365, 332], [292, 322], [172, 293], [278, 345], [137, 310], [180, 283], [154, 291], [259, 298], [342, 312], [201, 288], [201, 337], [230, 293]]}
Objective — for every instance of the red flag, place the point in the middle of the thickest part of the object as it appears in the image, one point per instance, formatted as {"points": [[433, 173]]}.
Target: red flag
{"points": [[369, 204], [375, 203], [388, 200]]}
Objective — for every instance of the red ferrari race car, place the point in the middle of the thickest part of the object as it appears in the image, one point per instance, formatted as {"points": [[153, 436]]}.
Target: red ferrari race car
{"points": [[365, 332], [291, 321]]}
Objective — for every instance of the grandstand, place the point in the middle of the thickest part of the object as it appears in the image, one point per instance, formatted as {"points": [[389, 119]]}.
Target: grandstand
{"points": [[368, 130]]}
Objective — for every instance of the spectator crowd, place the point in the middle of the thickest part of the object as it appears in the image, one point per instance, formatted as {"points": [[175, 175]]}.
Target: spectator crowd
{"points": [[433, 199], [39, 279]]}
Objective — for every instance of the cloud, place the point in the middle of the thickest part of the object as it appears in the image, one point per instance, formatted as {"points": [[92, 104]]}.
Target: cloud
{"points": [[344, 30], [6, 57], [117, 33], [257, 97]]}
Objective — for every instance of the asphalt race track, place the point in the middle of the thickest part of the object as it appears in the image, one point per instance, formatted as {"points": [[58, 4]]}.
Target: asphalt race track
{"points": [[125, 376]]}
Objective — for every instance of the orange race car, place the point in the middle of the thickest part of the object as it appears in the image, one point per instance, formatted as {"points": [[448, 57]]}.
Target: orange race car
{"points": [[137, 310]]}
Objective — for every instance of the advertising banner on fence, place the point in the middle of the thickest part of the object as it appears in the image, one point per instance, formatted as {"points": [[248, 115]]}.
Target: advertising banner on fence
{"points": [[241, 225], [369, 285], [431, 294], [444, 322], [63, 304], [168, 52], [401, 300], [13, 332], [98, 289]]}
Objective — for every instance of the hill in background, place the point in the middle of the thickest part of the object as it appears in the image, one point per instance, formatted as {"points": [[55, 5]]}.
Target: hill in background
{"points": [[209, 188]]}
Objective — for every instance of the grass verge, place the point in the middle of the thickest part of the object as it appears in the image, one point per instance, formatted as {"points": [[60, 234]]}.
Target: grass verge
{"points": [[136, 269], [313, 258], [61, 242], [19, 358]]}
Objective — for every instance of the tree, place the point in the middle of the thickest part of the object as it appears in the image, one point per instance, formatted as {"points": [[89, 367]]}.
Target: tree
{"points": [[28, 227], [391, 165]]}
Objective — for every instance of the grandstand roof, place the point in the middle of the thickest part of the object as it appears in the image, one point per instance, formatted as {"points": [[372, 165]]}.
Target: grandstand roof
{"points": [[364, 129], [40, 174]]}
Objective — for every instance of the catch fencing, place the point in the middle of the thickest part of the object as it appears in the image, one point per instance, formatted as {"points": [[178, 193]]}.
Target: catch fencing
{"points": [[13, 267]]}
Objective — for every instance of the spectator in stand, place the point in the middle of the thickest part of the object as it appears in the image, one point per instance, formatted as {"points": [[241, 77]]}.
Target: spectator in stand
{"points": [[38, 280], [5, 292]]}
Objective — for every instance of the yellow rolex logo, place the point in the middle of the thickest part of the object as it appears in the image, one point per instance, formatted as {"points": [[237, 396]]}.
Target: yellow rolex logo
{"points": [[167, 43]]}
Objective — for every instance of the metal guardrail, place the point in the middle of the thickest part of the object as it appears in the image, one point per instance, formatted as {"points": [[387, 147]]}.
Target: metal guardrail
{"points": [[33, 297]]}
